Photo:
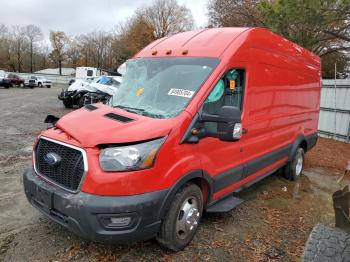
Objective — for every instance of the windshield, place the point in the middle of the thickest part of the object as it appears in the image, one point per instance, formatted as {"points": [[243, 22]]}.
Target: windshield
{"points": [[161, 87]]}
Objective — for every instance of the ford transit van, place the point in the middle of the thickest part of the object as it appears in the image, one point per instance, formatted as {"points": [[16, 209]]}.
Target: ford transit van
{"points": [[199, 115]]}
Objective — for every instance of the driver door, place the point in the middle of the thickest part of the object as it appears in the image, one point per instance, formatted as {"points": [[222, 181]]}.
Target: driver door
{"points": [[223, 160]]}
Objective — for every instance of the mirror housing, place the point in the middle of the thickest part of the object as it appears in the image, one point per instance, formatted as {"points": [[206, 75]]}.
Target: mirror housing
{"points": [[229, 127]]}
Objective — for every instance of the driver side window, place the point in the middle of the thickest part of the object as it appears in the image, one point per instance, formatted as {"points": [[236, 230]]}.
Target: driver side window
{"points": [[227, 92]]}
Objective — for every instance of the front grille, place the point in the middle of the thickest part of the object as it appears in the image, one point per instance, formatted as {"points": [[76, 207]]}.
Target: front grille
{"points": [[32, 81], [67, 172]]}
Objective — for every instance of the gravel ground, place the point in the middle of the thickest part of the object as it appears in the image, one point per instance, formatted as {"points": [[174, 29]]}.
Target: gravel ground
{"points": [[272, 224]]}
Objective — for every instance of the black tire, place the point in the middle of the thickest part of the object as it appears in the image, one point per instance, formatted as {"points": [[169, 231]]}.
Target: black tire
{"points": [[291, 170], [81, 101], [327, 244], [48, 86], [67, 104], [31, 87], [40, 84], [168, 236]]}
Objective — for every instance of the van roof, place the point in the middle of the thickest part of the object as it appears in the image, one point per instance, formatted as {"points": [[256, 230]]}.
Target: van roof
{"points": [[220, 42]]}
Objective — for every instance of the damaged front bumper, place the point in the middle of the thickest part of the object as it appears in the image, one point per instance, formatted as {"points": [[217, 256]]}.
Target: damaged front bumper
{"points": [[107, 219], [66, 95]]}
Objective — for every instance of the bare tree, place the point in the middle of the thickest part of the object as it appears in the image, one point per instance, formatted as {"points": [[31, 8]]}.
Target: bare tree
{"points": [[167, 17], [234, 13], [59, 41], [99, 42], [73, 52], [18, 44], [44, 53], [131, 36], [33, 34]]}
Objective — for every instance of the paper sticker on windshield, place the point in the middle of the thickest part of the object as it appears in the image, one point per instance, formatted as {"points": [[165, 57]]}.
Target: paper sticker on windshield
{"points": [[181, 92]]}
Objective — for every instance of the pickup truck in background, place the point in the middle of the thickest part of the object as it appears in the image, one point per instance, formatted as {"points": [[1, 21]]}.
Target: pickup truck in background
{"points": [[12, 79], [37, 81]]}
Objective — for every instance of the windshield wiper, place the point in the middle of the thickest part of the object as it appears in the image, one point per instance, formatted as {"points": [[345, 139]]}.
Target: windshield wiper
{"points": [[130, 109], [139, 111]]}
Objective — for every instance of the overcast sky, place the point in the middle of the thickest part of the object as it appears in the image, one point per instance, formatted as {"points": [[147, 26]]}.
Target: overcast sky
{"points": [[81, 16]]}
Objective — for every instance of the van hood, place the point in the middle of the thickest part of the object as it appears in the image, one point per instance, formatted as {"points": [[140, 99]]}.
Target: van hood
{"points": [[99, 124]]}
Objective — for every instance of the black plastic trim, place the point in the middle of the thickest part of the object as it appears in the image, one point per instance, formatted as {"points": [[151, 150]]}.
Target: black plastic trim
{"points": [[296, 144], [228, 178], [266, 160], [119, 118], [183, 180], [80, 213], [90, 107], [311, 141]]}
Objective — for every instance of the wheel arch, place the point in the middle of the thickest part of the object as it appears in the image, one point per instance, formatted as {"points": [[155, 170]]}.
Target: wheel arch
{"points": [[300, 141], [198, 177]]}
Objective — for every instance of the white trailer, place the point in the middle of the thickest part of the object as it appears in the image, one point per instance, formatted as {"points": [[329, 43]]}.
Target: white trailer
{"points": [[86, 72]]}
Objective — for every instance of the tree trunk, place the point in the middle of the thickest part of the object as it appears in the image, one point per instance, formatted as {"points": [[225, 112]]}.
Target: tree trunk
{"points": [[60, 66], [31, 57], [19, 59]]}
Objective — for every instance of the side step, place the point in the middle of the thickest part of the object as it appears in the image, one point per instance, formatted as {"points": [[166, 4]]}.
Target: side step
{"points": [[225, 205]]}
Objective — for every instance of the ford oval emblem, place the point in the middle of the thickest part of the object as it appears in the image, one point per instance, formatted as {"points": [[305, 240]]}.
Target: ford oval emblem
{"points": [[52, 159]]}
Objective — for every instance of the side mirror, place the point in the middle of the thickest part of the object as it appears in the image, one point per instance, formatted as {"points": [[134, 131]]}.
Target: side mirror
{"points": [[229, 127]]}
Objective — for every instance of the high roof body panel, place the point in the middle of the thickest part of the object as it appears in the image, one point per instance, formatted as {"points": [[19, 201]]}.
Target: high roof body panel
{"points": [[226, 42], [205, 42]]}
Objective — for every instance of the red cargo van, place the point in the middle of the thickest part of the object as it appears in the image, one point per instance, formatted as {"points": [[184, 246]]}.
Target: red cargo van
{"points": [[199, 115]]}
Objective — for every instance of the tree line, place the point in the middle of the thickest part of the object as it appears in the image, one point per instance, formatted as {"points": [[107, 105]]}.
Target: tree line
{"points": [[321, 26], [23, 49]]}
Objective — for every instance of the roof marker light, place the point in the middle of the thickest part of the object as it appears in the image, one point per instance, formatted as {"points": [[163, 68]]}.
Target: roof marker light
{"points": [[168, 52], [154, 52], [185, 52]]}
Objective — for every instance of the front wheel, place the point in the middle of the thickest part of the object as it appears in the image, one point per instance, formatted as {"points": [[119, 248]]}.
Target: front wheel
{"points": [[181, 222], [295, 166]]}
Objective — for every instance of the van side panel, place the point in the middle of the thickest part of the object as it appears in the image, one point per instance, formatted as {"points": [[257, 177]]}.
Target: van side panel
{"points": [[281, 102]]}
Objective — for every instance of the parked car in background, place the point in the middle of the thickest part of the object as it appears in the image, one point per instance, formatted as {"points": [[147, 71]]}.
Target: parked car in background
{"points": [[38, 81], [2, 75], [12, 80]]}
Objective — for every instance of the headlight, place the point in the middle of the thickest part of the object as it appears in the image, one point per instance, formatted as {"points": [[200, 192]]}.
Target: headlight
{"points": [[133, 157]]}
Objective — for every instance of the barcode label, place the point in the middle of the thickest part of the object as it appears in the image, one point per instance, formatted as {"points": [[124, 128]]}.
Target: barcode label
{"points": [[180, 92]]}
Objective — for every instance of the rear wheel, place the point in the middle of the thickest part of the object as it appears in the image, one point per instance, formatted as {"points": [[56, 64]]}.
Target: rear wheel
{"points": [[40, 85], [181, 221], [295, 167]]}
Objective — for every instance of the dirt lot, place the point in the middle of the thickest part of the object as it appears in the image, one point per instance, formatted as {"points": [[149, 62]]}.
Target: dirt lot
{"points": [[272, 224]]}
